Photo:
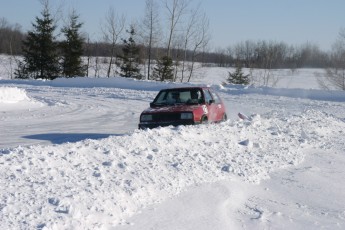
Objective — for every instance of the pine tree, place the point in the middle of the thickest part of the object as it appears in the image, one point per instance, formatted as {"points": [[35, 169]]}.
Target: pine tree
{"points": [[130, 58], [164, 70], [72, 48], [40, 50], [238, 77]]}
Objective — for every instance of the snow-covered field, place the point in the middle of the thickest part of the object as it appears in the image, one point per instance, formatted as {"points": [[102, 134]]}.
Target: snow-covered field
{"points": [[71, 157]]}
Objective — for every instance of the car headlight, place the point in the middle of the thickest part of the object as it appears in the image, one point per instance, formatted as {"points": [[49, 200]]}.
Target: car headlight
{"points": [[146, 117], [186, 116]]}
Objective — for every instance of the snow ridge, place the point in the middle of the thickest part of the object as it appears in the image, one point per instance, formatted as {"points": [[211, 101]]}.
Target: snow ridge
{"points": [[96, 184], [12, 95]]}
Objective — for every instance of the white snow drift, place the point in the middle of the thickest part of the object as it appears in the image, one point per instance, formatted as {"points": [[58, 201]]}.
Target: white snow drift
{"points": [[12, 95]]}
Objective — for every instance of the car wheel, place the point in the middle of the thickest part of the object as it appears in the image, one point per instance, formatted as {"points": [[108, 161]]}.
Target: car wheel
{"points": [[204, 120], [225, 117]]}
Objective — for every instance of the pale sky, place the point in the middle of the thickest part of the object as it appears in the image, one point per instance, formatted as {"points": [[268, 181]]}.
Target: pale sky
{"points": [[294, 22]]}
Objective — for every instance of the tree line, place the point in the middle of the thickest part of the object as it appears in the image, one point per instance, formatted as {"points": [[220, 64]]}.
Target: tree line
{"points": [[11, 37], [166, 52], [273, 55]]}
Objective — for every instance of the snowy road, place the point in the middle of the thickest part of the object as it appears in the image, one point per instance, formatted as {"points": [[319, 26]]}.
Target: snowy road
{"points": [[69, 115], [57, 115]]}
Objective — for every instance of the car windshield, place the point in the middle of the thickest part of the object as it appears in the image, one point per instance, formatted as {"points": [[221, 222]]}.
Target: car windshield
{"points": [[178, 96]]}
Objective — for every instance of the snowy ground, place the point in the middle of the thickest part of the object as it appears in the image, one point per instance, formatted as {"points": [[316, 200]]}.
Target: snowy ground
{"points": [[72, 158]]}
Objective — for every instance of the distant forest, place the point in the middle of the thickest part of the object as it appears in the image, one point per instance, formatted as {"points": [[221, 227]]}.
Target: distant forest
{"points": [[186, 37], [252, 54]]}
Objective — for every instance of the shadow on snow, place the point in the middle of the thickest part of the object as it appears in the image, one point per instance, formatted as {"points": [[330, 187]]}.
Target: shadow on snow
{"points": [[60, 138]]}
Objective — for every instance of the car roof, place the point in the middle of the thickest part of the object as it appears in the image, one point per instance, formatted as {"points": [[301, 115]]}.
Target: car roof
{"points": [[187, 87]]}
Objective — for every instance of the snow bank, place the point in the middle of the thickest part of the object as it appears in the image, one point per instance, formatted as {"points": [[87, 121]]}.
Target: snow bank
{"points": [[114, 82], [13, 98], [125, 83], [313, 94], [95, 184], [12, 95]]}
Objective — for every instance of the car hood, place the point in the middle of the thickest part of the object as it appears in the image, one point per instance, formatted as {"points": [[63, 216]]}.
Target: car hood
{"points": [[172, 109]]}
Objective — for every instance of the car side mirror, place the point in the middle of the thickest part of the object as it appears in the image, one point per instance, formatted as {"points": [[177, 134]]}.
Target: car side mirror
{"points": [[151, 105], [211, 101]]}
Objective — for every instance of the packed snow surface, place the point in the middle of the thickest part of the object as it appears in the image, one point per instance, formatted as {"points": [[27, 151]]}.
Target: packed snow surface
{"points": [[71, 157]]}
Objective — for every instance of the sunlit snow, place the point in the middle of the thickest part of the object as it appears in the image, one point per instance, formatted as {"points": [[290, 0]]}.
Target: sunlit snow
{"points": [[71, 157]]}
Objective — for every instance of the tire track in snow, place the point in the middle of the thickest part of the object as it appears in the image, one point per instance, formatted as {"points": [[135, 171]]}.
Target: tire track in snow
{"points": [[73, 114]]}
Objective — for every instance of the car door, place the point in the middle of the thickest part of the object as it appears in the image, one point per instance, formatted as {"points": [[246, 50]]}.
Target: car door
{"points": [[211, 106], [220, 108]]}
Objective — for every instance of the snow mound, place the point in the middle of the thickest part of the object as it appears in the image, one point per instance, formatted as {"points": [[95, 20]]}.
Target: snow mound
{"points": [[13, 98], [12, 95], [95, 184]]}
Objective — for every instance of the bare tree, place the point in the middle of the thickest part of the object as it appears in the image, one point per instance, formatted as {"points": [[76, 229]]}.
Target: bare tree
{"points": [[150, 30], [266, 75], [10, 43], [245, 53], [88, 55], [335, 76], [175, 9], [113, 27], [200, 40], [177, 54], [189, 32]]}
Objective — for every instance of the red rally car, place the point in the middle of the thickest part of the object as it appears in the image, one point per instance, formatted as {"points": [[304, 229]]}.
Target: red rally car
{"points": [[183, 106]]}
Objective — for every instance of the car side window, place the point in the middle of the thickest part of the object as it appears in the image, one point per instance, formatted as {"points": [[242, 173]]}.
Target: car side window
{"points": [[208, 96], [161, 98], [215, 97]]}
